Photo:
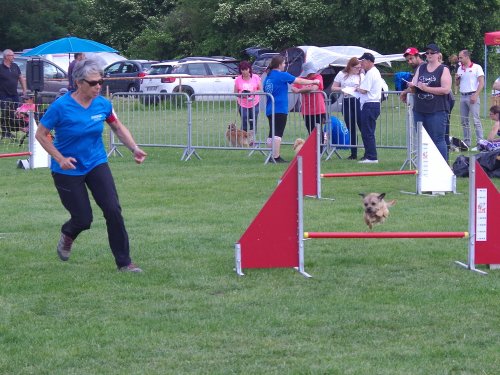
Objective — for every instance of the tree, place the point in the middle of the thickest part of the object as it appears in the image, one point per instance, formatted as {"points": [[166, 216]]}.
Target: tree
{"points": [[39, 22]]}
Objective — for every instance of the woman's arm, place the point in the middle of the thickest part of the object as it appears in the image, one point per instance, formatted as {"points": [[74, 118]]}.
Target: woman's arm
{"points": [[493, 136], [126, 138]]}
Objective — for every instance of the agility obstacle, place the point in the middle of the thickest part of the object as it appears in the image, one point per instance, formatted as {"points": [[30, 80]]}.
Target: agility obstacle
{"points": [[275, 238], [386, 234], [434, 175], [367, 174], [15, 154]]}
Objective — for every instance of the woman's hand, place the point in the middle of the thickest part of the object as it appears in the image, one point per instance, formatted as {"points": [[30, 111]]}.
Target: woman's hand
{"points": [[139, 155], [67, 163]]}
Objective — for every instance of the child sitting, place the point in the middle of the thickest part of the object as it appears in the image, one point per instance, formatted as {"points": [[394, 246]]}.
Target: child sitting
{"points": [[22, 112]]}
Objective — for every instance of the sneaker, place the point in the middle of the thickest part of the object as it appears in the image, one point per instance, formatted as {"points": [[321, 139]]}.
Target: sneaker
{"points": [[279, 159], [368, 161], [64, 247], [352, 157], [130, 268], [473, 149]]}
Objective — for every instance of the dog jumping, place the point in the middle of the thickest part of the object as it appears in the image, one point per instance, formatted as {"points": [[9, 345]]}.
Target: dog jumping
{"points": [[376, 208]]}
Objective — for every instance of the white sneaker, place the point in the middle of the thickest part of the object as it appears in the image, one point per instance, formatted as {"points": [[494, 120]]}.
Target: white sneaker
{"points": [[473, 149], [368, 161]]}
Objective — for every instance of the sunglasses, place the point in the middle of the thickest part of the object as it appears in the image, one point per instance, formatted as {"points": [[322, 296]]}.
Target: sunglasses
{"points": [[431, 53], [95, 83]]}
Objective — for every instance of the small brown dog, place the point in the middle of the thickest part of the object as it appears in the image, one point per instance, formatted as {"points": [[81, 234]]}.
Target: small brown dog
{"points": [[237, 137], [376, 208], [297, 145]]}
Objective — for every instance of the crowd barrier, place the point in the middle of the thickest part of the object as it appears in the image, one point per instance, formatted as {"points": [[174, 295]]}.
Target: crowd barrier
{"points": [[196, 122], [275, 238]]}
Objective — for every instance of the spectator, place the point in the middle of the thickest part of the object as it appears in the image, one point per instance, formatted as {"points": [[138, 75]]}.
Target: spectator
{"points": [[79, 161], [313, 102], [248, 105], [10, 75], [371, 94], [432, 84], [276, 84], [22, 112], [78, 57], [413, 58], [493, 141], [470, 81], [451, 103], [350, 77]]}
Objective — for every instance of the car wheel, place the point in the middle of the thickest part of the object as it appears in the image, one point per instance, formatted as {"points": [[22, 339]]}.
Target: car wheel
{"points": [[132, 89], [185, 89]]}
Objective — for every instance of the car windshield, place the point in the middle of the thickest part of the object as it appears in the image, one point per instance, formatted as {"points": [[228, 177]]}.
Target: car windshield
{"points": [[161, 69]]}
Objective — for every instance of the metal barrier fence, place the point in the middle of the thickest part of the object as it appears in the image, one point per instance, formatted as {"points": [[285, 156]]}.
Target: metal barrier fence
{"points": [[201, 121]]}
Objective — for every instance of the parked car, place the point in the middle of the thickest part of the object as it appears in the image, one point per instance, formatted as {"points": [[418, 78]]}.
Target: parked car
{"points": [[54, 77], [261, 63], [231, 62], [192, 76], [125, 69]]}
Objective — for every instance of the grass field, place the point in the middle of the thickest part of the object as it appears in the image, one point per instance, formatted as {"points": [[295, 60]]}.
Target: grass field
{"points": [[372, 307]]}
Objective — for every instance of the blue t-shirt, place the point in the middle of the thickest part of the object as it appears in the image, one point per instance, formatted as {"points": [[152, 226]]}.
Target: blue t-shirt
{"points": [[276, 84], [78, 132]]}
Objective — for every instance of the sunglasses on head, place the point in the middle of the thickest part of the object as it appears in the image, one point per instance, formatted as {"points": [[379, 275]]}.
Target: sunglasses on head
{"points": [[95, 83]]}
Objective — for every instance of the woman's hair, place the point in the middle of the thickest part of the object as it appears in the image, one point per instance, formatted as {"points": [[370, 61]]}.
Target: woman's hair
{"points": [[276, 61], [244, 65], [495, 109], [84, 68], [353, 61]]}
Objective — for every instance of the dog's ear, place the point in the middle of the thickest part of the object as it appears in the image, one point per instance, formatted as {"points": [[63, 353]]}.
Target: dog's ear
{"points": [[381, 196]]}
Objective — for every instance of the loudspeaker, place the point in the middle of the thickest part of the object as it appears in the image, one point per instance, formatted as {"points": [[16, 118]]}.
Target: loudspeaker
{"points": [[34, 74]]}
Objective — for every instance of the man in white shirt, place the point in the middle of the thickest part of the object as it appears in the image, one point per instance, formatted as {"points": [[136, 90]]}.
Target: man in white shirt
{"points": [[370, 90], [470, 81]]}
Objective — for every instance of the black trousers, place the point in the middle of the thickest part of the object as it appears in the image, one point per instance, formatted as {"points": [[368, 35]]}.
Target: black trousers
{"points": [[75, 198], [352, 117]]}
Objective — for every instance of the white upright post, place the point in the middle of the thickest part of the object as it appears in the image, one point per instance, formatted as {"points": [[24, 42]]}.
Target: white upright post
{"points": [[39, 158], [300, 217]]}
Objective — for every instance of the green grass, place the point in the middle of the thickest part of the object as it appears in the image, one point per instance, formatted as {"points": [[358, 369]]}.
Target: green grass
{"points": [[372, 307]]}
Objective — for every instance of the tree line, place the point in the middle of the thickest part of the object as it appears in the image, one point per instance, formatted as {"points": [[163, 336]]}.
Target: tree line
{"points": [[167, 29]]}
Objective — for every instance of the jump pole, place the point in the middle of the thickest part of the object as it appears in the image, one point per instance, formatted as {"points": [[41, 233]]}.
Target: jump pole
{"points": [[386, 234], [367, 174], [15, 154]]}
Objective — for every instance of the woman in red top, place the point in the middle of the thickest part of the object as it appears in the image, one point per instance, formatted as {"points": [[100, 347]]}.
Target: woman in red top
{"points": [[313, 99]]}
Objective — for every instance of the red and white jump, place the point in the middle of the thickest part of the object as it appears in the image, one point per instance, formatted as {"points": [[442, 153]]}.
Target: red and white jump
{"points": [[275, 238]]}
